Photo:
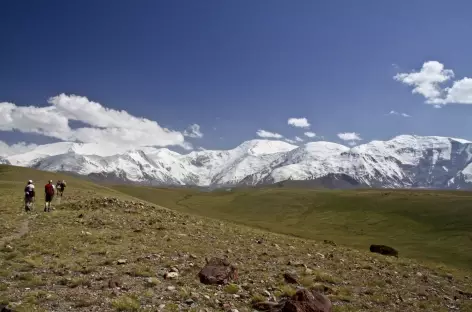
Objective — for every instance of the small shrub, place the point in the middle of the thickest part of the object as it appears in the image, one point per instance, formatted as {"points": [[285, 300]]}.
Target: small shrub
{"points": [[258, 298], [231, 289], [172, 307], [142, 271], [306, 281], [83, 303], [126, 304], [76, 282], [35, 281], [287, 291]]}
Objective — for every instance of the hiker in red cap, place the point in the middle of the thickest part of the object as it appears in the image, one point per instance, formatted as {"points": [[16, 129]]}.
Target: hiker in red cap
{"points": [[49, 191]]}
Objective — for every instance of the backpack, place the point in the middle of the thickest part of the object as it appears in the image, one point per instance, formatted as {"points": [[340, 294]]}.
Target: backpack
{"points": [[49, 189]]}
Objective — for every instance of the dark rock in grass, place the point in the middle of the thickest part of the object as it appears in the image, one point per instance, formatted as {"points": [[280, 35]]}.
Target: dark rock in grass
{"points": [[217, 271], [384, 250], [302, 301], [5, 308], [290, 278], [329, 242]]}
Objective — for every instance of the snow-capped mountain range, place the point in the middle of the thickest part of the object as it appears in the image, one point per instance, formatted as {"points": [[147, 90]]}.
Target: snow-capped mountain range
{"points": [[404, 161]]}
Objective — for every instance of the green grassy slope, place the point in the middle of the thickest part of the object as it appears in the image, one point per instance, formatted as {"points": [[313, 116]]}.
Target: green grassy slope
{"points": [[65, 260], [427, 225], [13, 180]]}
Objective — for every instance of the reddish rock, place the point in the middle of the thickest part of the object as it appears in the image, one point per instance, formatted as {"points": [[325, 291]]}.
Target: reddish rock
{"points": [[303, 301], [217, 271]]}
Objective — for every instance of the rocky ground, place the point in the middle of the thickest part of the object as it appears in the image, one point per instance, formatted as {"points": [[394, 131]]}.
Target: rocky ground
{"points": [[109, 254]]}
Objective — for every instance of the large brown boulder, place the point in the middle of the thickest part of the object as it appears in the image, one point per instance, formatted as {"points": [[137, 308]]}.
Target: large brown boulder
{"points": [[217, 271], [303, 300]]}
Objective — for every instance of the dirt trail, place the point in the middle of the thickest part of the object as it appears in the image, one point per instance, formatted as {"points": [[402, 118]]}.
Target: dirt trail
{"points": [[23, 229]]}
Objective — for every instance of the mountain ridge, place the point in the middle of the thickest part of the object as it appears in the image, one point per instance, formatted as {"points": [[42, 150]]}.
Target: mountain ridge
{"points": [[404, 161]]}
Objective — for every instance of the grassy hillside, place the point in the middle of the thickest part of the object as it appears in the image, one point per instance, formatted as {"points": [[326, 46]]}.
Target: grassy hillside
{"points": [[431, 226], [103, 250], [13, 180]]}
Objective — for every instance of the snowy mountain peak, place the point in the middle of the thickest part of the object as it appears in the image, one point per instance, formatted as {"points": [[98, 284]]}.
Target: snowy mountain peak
{"points": [[403, 161], [264, 147]]}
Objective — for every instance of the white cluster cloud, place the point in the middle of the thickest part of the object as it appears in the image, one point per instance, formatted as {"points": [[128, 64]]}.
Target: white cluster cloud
{"points": [[298, 122], [398, 114], [102, 124], [427, 82], [267, 134], [349, 136], [295, 122], [193, 131], [17, 148]]}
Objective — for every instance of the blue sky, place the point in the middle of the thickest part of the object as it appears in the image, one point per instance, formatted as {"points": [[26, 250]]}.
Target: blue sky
{"points": [[233, 68]]}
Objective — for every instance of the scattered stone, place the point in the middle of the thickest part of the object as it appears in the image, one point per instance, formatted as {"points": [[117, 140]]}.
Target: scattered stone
{"points": [[8, 248], [308, 271], [267, 293], [171, 275], [320, 255], [161, 306], [121, 261], [290, 278], [170, 288], [384, 250], [189, 301], [302, 301], [217, 271], [174, 269]]}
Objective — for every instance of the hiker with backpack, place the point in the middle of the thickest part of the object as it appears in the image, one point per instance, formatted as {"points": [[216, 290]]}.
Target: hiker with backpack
{"points": [[49, 191], [62, 186], [58, 187], [29, 195]]}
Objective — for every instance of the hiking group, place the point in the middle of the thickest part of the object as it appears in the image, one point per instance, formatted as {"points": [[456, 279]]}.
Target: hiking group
{"points": [[49, 191]]}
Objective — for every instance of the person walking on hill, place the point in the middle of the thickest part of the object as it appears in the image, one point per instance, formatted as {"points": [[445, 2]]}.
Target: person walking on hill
{"points": [[62, 186], [58, 187], [49, 191], [29, 196]]}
